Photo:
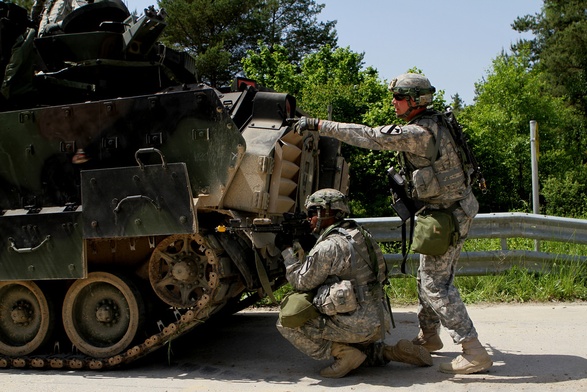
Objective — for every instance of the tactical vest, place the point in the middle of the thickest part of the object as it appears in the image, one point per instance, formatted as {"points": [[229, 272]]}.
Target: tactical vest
{"points": [[368, 267], [437, 179], [367, 262]]}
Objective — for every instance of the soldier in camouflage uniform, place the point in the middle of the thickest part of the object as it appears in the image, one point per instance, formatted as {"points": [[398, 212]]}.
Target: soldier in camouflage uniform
{"points": [[344, 251], [439, 182], [50, 13]]}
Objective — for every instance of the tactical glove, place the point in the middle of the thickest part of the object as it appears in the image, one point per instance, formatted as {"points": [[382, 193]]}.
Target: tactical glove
{"points": [[293, 254], [306, 124], [298, 251], [283, 241]]}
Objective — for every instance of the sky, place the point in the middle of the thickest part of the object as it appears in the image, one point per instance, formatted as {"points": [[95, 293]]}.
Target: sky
{"points": [[453, 42]]}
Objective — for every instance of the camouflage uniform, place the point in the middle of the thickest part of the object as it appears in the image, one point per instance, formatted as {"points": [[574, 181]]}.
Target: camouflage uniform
{"points": [[439, 300], [332, 256], [53, 12]]}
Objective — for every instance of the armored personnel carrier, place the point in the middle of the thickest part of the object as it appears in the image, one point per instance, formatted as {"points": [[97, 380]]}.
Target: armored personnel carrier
{"points": [[136, 202]]}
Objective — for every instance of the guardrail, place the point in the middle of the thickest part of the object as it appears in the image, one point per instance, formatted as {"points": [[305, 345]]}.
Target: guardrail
{"points": [[496, 225]]}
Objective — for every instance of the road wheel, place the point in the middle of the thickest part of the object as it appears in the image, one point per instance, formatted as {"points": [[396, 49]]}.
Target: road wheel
{"points": [[183, 270], [102, 314], [26, 318]]}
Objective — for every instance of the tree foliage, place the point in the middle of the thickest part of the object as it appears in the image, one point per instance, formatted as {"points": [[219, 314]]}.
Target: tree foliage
{"points": [[510, 96], [294, 25], [560, 46], [558, 51], [219, 33]]}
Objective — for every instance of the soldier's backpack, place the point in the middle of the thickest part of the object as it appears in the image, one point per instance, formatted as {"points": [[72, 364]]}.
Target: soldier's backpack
{"points": [[471, 167]]}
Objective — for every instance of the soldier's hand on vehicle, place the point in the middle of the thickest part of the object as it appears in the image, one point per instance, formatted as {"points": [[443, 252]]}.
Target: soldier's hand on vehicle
{"points": [[306, 124]]}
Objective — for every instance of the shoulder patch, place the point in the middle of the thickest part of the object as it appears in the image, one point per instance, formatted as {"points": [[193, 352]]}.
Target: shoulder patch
{"points": [[392, 129]]}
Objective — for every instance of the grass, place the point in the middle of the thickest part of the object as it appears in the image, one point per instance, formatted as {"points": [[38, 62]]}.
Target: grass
{"points": [[563, 281], [566, 283]]}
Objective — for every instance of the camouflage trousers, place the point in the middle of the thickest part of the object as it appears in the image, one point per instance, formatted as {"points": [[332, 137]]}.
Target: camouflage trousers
{"points": [[316, 336], [439, 300], [55, 12]]}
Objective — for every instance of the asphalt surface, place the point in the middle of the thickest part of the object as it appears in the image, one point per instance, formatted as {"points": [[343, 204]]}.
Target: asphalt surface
{"points": [[536, 347]]}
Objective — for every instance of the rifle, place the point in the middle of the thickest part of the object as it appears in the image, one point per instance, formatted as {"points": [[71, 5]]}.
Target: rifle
{"points": [[470, 165], [405, 207], [294, 223], [293, 226]]}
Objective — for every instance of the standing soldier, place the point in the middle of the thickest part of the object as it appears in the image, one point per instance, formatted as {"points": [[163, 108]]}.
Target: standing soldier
{"points": [[437, 180], [345, 263]]}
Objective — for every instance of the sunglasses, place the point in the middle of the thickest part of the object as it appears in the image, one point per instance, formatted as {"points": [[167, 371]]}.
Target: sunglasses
{"points": [[399, 97]]}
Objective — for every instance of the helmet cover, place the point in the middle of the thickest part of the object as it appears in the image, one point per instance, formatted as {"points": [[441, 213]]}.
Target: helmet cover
{"points": [[328, 198], [415, 85]]}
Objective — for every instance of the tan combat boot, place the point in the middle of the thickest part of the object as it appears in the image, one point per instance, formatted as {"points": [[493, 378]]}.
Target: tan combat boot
{"points": [[346, 358], [407, 352], [429, 339], [473, 360]]}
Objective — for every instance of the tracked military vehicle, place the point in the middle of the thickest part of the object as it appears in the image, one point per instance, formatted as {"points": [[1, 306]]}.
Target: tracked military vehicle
{"points": [[136, 203]]}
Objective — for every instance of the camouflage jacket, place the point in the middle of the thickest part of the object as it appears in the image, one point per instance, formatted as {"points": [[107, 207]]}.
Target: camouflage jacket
{"points": [[436, 182], [334, 255]]}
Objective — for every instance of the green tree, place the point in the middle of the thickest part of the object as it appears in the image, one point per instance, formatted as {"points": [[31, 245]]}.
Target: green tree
{"points": [[219, 33], [330, 76], [559, 46], [271, 67], [337, 77], [457, 104], [294, 25], [509, 97]]}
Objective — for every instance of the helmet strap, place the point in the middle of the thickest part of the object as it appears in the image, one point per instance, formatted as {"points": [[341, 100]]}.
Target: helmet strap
{"points": [[407, 113], [321, 218], [319, 221]]}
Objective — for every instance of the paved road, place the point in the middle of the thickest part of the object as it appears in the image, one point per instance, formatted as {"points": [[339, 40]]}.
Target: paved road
{"points": [[534, 347]]}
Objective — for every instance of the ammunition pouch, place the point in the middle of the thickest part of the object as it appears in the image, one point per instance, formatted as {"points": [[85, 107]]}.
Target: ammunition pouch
{"points": [[435, 231], [336, 298], [369, 291], [297, 308], [426, 183]]}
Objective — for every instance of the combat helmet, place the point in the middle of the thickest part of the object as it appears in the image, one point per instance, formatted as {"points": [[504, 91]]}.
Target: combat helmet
{"points": [[328, 199], [415, 85]]}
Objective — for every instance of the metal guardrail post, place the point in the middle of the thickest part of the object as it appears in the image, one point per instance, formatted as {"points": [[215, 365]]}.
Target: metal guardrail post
{"points": [[534, 162]]}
